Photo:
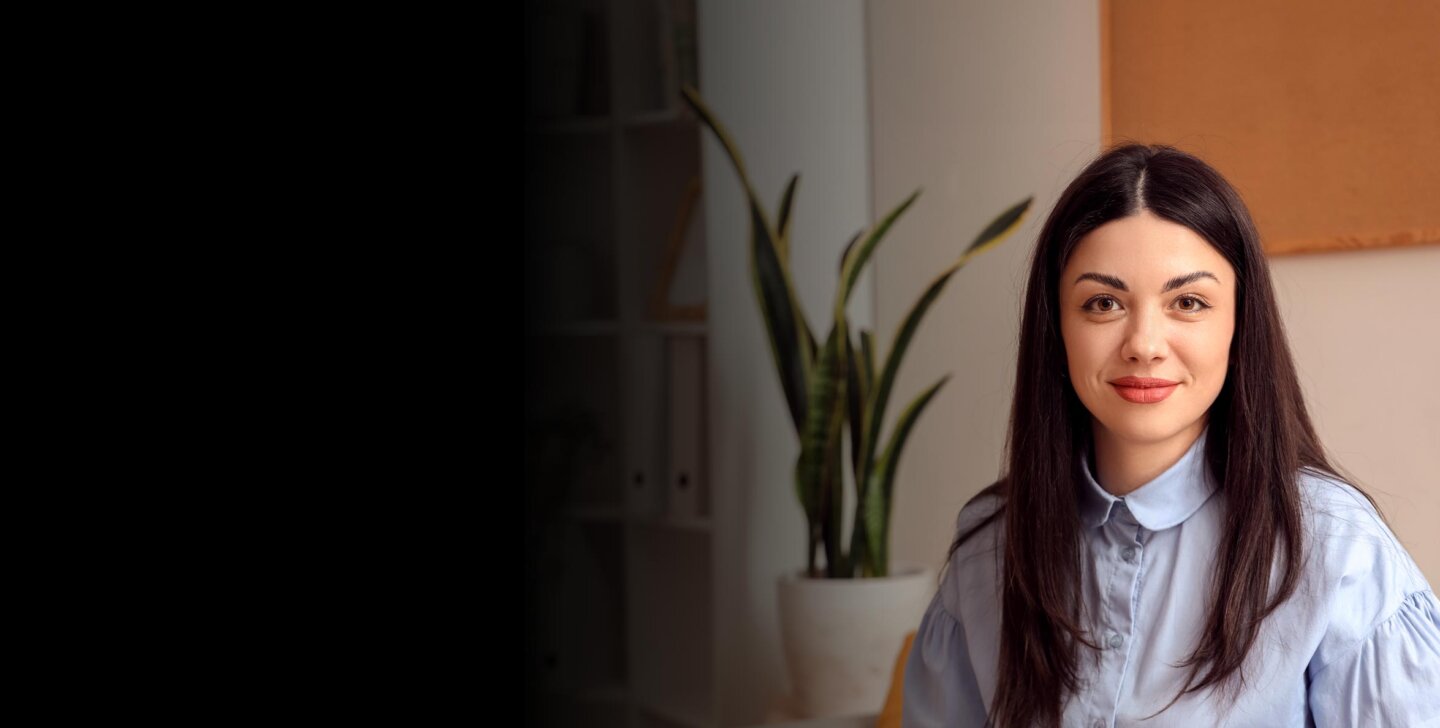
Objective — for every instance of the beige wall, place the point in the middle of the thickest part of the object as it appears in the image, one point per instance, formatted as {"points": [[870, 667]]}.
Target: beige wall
{"points": [[982, 104], [1356, 316], [789, 82]]}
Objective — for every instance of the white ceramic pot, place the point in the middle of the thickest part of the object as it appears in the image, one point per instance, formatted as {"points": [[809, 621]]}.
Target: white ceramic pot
{"points": [[841, 636]]}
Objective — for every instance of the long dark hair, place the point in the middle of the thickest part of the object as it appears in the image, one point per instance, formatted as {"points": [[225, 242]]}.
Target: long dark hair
{"points": [[1260, 435]]}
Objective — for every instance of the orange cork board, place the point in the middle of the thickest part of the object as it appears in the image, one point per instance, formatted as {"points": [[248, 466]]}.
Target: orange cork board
{"points": [[1325, 115]]}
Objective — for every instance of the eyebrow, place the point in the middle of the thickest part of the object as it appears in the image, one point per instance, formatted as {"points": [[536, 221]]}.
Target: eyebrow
{"points": [[1170, 285]]}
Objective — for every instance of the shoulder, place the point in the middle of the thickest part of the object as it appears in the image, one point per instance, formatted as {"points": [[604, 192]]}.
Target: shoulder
{"points": [[1325, 492], [1377, 659], [1342, 519], [973, 564], [1363, 572], [980, 523], [984, 506], [1346, 527]]}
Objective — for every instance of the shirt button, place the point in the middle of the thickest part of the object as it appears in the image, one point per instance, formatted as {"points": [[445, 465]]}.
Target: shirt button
{"points": [[1098, 723], [1128, 554], [1115, 640]]}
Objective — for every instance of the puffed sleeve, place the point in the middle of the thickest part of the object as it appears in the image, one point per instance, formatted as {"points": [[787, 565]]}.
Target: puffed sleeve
{"points": [[1391, 679], [1378, 660], [940, 686]]}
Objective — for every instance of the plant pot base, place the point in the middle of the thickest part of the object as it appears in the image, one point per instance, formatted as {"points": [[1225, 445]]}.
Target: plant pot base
{"points": [[841, 636]]}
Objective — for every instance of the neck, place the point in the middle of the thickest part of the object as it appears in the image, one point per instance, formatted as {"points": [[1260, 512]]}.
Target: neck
{"points": [[1122, 465]]}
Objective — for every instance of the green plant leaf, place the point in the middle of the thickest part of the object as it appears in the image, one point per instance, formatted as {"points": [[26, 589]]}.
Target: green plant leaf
{"points": [[786, 203], [1006, 223], [792, 345], [854, 260], [867, 346], [879, 494], [855, 396], [1003, 224], [817, 471]]}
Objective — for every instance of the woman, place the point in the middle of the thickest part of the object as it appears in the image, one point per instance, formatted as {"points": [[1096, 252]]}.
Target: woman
{"points": [[1170, 539]]}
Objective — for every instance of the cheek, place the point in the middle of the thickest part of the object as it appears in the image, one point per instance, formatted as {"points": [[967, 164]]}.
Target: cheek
{"points": [[1218, 344], [1088, 347], [1207, 355], [1075, 348]]}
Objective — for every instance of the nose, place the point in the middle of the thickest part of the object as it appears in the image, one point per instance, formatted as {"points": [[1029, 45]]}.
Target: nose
{"points": [[1145, 337]]}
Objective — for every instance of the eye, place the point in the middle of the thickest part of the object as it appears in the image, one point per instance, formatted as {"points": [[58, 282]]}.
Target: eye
{"points": [[1200, 305], [1197, 304], [1097, 300]]}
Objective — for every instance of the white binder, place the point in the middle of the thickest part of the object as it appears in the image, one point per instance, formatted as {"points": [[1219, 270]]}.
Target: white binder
{"points": [[686, 490]]}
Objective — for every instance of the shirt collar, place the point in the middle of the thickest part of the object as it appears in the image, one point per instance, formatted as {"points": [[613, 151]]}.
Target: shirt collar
{"points": [[1167, 500]]}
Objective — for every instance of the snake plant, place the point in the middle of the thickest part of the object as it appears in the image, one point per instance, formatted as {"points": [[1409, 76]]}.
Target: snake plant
{"points": [[832, 386]]}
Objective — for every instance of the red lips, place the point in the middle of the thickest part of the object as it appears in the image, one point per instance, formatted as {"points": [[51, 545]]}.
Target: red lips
{"points": [[1142, 382], [1143, 390]]}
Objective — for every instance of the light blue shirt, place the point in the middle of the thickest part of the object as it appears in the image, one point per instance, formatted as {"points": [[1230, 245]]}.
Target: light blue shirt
{"points": [[1358, 644]]}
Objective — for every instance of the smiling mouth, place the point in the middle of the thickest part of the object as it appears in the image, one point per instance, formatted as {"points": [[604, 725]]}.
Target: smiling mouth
{"points": [[1142, 382], [1144, 395]]}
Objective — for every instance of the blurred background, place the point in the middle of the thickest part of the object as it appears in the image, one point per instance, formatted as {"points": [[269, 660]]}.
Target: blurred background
{"points": [[661, 508]]}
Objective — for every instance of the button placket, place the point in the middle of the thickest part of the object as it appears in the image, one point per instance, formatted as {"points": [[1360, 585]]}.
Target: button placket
{"points": [[1114, 608], [1123, 591]]}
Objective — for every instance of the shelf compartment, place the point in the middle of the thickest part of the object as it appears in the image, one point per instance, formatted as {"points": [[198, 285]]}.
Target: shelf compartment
{"points": [[569, 223], [672, 617], [572, 420]]}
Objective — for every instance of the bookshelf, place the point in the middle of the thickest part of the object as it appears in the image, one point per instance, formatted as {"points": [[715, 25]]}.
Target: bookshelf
{"points": [[619, 569]]}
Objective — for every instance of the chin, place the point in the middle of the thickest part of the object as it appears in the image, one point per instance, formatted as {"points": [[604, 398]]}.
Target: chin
{"points": [[1139, 428]]}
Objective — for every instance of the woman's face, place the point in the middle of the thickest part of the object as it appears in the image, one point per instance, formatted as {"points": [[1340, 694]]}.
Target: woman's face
{"points": [[1146, 297]]}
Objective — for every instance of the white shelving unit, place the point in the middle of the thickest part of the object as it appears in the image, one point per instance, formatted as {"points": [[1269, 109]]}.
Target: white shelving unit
{"points": [[619, 595]]}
